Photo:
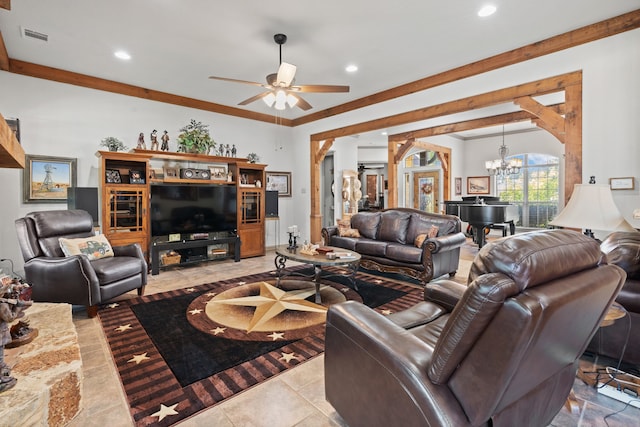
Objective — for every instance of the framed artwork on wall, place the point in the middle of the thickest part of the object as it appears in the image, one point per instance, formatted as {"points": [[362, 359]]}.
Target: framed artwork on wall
{"points": [[626, 183], [280, 182], [46, 178], [458, 186], [112, 176], [478, 185]]}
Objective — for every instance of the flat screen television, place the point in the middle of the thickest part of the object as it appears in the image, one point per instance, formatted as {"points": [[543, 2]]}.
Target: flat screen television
{"points": [[188, 209]]}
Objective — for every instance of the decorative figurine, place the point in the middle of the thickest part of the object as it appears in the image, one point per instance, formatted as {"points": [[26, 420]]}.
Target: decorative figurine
{"points": [[14, 299], [221, 150], [141, 144], [154, 140], [233, 150], [227, 151], [165, 141]]}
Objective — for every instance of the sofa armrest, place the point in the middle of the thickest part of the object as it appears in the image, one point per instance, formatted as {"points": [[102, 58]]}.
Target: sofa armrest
{"points": [[328, 232], [445, 293], [63, 279], [445, 243]]}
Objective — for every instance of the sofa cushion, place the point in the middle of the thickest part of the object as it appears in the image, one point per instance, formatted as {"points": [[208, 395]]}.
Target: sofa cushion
{"points": [[366, 223], [371, 247], [404, 253], [421, 224], [112, 269], [393, 227], [344, 242]]}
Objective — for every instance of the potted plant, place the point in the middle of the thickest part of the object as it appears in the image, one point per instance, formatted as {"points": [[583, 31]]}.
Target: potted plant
{"points": [[253, 158], [195, 138], [113, 144]]}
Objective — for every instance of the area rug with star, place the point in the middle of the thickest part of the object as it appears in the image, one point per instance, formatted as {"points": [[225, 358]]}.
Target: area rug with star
{"points": [[182, 351]]}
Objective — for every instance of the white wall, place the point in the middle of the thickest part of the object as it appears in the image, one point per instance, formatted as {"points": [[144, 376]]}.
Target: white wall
{"points": [[63, 120]]}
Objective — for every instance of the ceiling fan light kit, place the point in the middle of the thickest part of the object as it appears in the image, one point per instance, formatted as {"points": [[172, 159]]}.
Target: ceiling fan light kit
{"points": [[280, 85]]}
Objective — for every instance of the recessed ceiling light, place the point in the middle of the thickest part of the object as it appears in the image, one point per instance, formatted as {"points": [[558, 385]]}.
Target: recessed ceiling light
{"points": [[487, 10], [121, 54], [383, 133], [351, 68]]}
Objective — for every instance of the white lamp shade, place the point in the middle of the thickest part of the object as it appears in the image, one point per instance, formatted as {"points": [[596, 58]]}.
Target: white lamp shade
{"points": [[592, 207]]}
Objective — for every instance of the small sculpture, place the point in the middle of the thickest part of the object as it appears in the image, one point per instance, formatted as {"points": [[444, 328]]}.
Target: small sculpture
{"points": [[165, 141], [141, 144], [154, 140], [233, 150], [14, 299], [221, 150], [227, 151]]}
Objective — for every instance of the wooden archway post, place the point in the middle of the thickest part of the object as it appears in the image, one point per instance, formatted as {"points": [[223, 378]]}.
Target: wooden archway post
{"points": [[319, 151]]}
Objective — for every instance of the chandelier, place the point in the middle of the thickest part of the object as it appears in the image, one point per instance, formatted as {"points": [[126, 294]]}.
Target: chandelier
{"points": [[501, 167]]}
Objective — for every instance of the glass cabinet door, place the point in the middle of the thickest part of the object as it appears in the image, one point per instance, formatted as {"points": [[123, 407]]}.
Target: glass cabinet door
{"points": [[126, 210], [251, 207]]}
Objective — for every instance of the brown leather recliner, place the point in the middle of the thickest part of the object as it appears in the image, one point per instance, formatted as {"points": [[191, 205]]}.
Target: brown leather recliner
{"points": [[75, 279], [622, 248], [502, 351]]}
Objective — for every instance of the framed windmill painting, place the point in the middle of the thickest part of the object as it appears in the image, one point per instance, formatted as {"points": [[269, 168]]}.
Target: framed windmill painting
{"points": [[46, 179]]}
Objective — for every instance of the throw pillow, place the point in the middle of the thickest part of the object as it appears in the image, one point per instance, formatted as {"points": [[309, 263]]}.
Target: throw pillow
{"points": [[420, 238], [433, 232], [94, 247], [343, 223], [348, 232]]}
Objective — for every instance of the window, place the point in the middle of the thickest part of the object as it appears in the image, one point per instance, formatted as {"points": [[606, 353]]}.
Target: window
{"points": [[536, 189]]}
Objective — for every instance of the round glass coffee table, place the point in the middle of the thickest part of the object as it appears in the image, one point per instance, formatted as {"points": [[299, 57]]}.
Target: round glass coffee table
{"points": [[349, 263]]}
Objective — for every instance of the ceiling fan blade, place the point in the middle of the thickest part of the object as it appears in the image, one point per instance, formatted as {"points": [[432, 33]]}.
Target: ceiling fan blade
{"points": [[302, 104], [319, 88], [238, 81], [254, 98], [286, 74]]}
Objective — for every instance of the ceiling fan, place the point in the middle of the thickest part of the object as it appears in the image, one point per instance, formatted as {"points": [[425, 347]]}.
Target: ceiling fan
{"points": [[281, 88]]}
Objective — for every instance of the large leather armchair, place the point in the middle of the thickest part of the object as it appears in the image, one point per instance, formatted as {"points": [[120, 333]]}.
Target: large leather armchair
{"points": [[75, 279], [502, 351], [622, 248]]}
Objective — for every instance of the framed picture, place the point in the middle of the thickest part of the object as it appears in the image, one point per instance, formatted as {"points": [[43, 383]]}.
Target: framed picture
{"points": [[136, 177], [458, 186], [280, 182], [14, 125], [626, 183], [170, 172], [112, 176], [46, 178], [218, 173], [478, 185]]}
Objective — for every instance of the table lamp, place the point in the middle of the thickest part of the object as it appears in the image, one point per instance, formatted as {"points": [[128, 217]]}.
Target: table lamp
{"points": [[591, 207]]}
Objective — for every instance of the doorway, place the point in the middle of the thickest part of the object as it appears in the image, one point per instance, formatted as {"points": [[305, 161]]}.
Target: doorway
{"points": [[426, 191], [328, 197]]}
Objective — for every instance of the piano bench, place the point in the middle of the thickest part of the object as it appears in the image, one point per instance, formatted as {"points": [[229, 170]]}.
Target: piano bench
{"points": [[504, 227]]}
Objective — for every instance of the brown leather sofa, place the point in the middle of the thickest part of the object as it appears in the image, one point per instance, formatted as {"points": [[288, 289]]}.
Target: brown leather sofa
{"points": [[622, 248], [502, 351], [387, 242], [75, 279]]}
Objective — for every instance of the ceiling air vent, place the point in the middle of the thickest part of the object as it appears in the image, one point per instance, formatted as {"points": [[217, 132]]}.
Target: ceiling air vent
{"points": [[34, 35]]}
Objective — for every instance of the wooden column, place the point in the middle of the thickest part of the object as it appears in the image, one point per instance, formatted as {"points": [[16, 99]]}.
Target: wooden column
{"points": [[573, 138], [317, 155]]}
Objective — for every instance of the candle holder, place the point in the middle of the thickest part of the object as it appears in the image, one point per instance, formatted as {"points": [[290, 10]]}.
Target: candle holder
{"points": [[292, 241]]}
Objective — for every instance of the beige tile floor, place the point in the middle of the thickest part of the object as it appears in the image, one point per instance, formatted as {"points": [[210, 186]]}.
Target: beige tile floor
{"points": [[293, 398]]}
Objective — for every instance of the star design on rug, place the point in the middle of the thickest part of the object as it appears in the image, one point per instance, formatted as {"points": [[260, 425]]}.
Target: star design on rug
{"points": [[165, 411], [345, 290], [211, 294], [113, 305], [190, 290], [123, 328], [377, 281], [218, 330], [195, 311], [288, 357], [386, 312], [137, 358], [242, 283], [276, 336], [273, 301]]}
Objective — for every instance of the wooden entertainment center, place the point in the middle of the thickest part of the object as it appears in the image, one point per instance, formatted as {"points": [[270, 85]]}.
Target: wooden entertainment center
{"points": [[126, 181]]}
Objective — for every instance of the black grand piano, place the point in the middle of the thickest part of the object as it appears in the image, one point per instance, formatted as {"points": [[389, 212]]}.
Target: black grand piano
{"points": [[482, 213]]}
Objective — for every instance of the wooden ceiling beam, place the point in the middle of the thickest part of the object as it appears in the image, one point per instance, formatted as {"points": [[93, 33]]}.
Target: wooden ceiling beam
{"points": [[404, 149], [619, 24], [324, 149], [546, 118], [63, 76], [4, 56], [500, 96], [515, 117]]}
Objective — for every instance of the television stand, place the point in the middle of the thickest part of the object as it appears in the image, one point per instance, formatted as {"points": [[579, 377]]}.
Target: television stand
{"points": [[194, 246]]}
